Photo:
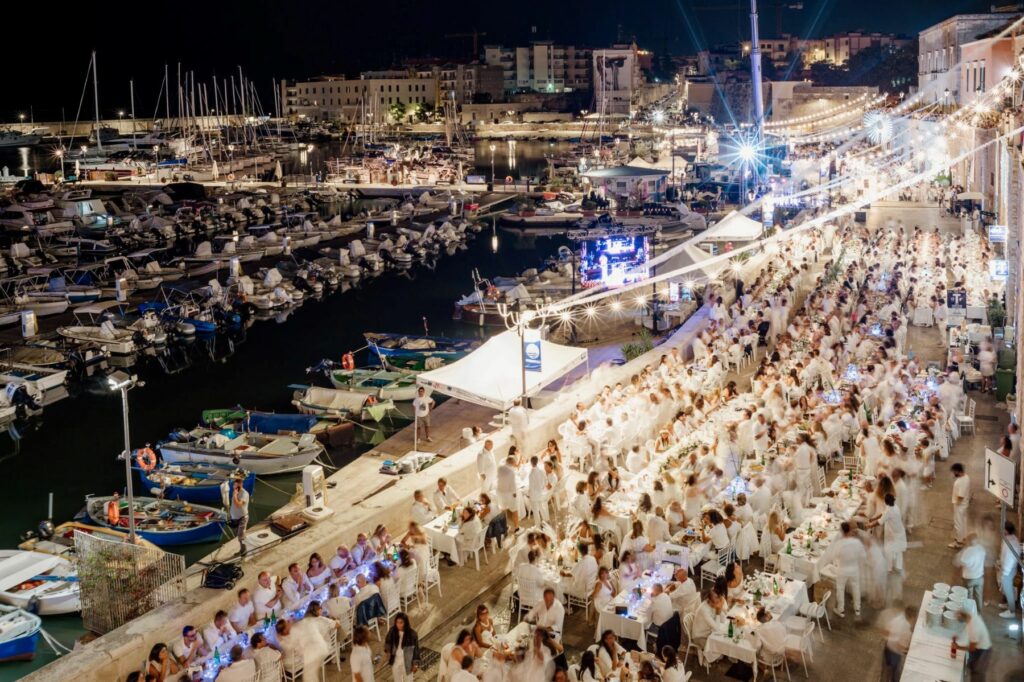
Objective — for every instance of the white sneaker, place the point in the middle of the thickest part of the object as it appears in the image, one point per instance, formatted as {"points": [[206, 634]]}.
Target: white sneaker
{"points": [[1008, 614], [841, 614]]}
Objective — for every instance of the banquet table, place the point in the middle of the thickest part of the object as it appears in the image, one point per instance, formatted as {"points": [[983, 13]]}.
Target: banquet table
{"points": [[442, 536], [923, 317], [804, 561], [744, 644], [633, 623], [928, 659]]}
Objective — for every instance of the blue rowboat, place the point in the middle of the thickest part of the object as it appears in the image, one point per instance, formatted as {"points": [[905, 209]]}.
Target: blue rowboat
{"points": [[19, 634], [162, 522], [198, 482], [418, 352]]}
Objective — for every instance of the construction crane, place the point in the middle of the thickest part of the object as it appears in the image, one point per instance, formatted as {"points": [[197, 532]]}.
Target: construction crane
{"points": [[777, 5], [475, 35]]}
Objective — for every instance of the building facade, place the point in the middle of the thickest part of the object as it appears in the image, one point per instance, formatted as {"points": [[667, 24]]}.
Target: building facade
{"points": [[541, 66], [983, 63], [939, 52], [368, 99], [617, 79]]}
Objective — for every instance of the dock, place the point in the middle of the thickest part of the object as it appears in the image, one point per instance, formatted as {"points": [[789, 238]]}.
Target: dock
{"points": [[446, 424]]}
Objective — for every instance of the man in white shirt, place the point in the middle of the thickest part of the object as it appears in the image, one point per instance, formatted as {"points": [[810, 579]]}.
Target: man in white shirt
{"points": [[445, 496], [979, 643], [241, 669], [422, 406], [949, 393], [971, 561], [264, 655], [465, 671], [635, 460], [362, 553], [709, 613], [804, 459], [296, 587], [519, 421], [243, 614], [422, 512], [537, 491], [584, 574], [961, 498], [657, 527], [188, 647], [761, 499], [487, 466], [661, 605], [1008, 568], [898, 633], [508, 497], [266, 598], [683, 592], [848, 553], [469, 531], [548, 613], [219, 631], [338, 607]]}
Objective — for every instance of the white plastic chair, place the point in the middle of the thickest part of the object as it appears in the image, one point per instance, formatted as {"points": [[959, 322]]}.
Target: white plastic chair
{"points": [[773, 660], [816, 610], [475, 547], [271, 672], [334, 652], [966, 421], [432, 578], [690, 644], [408, 590], [802, 642], [715, 566], [530, 594], [293, 668]]}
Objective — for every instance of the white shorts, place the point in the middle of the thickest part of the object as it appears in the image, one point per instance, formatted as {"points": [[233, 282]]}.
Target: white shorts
{"points": [[508, 502]]}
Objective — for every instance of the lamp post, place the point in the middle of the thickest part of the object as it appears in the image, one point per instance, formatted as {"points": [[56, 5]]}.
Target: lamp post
{"points": [[521, 321], [119, 381]]}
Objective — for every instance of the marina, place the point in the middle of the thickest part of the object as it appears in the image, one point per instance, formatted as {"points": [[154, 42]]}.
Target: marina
{"points": [[649, 364]]}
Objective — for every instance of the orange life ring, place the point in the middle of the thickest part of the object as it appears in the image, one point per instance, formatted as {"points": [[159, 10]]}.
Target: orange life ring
{"points": [[508, 179], [114, 513], [492, 292], [347, 361], [371, 400], [146, 459]]}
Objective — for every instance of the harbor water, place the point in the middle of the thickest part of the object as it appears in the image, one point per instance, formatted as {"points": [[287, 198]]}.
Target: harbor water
{"points": [[71, 449]]}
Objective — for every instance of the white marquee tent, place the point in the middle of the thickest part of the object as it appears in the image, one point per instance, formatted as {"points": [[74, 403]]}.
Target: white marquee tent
{"points": [[492, 374], [734, 227]]}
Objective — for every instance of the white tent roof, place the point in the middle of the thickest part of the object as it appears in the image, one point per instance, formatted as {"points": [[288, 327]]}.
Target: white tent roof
{"points": [[734, 227], [970, 196], [492, 374], [690, 254]]}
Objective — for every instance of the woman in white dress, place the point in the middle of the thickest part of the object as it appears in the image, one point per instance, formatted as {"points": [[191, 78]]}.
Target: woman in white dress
{"points": [[317, 571], [416, 542], [604, 589], [629, 570], [361, 659]]}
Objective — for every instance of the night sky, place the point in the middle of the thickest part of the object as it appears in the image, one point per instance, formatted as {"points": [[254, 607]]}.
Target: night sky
{"points": [[47, 54]]}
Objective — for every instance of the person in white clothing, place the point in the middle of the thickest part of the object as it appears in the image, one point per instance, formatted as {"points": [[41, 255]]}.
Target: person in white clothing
{"points": [[971, 561], [267, 596], [848, 553], [506, 489], [422, 511], [519, 421], [1008, 568], [297, 588], [243, 614], [894, 536], [549, 613], [537, 491], [422, 406], [580, 582], [218, 632], [805, 458], [771, 634], [961, 498], [487, 466], [265, 656], [683, 592], [661, 605], [362, 658], [445, 496], [898, 633], [465, 671], [240, 669]]}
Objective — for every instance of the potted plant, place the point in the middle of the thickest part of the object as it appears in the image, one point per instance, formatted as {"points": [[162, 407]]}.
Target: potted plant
{"points": [[996, 313], [589, 208]]}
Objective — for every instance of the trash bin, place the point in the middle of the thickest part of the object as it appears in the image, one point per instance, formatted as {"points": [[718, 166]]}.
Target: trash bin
{"points": [[1005, 379]]}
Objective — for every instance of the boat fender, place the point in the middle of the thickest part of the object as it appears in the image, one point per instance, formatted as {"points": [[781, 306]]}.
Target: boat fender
{"points": [[371, 400], [348, 362], [146, 459]]}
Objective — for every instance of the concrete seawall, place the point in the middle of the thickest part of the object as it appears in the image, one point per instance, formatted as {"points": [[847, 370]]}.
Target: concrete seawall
{"points": [[361, 499]]}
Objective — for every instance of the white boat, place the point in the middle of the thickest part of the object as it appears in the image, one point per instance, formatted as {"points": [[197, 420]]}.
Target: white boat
{"points": [[332, 402], [40, 583], [263, 454], [39, 379], [14, 138], [106, 335]]}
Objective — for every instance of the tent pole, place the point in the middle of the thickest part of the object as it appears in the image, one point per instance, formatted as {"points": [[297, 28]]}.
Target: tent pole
{"points": [[415, 430]]}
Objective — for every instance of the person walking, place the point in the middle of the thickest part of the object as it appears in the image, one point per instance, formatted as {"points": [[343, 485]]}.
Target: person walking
{"points": [[1008, 568], [487, 466], [402, 646], [239, 512], [961, 498], [971, 561], [848, 553], [519, 421]]}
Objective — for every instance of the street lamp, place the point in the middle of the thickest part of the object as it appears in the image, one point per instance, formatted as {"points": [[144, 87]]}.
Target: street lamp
{"points": [[21, 117], [119, 381]]}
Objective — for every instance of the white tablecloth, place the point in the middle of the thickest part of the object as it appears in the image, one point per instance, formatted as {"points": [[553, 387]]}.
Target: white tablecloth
{"points": [[923, 317], [928, 656], [442, 536]]}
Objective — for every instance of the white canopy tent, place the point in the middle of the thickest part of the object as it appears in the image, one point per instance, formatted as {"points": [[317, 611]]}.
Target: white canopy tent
{"points": [[970, 196], [492, 374], [734, 227]]}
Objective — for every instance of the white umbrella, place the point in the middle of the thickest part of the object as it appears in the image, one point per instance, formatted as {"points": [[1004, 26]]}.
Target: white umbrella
{"points": [[278, 173]]}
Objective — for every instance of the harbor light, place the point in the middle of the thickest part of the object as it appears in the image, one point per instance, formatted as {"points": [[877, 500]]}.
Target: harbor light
{"points": [[658, 116], [747, 152], [566, 316], [21, 117], [121, 382]]}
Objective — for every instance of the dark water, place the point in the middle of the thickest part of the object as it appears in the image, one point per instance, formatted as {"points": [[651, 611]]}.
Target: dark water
{"points": [[519, 159], [71, 449]]}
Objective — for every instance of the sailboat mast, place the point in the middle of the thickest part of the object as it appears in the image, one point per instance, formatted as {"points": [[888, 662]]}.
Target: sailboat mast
{"points": [[167, 96], [131, 91], [96, 101]]}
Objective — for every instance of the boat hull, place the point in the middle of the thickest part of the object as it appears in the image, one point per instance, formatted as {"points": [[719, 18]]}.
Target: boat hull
{"points": [[180, 453], [207, 531], [208, 494]]}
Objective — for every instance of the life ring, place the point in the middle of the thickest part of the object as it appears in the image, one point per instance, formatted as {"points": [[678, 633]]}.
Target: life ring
{"points": [[371, 400], [114, 513], [492, 292], [146, 459], [231, 176], [347, 361], [508, 179]]}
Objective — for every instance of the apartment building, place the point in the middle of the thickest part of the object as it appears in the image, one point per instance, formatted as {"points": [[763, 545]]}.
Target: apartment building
{"points": [[939, 52], [541, 66], [617, 79], [368, 98]]}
